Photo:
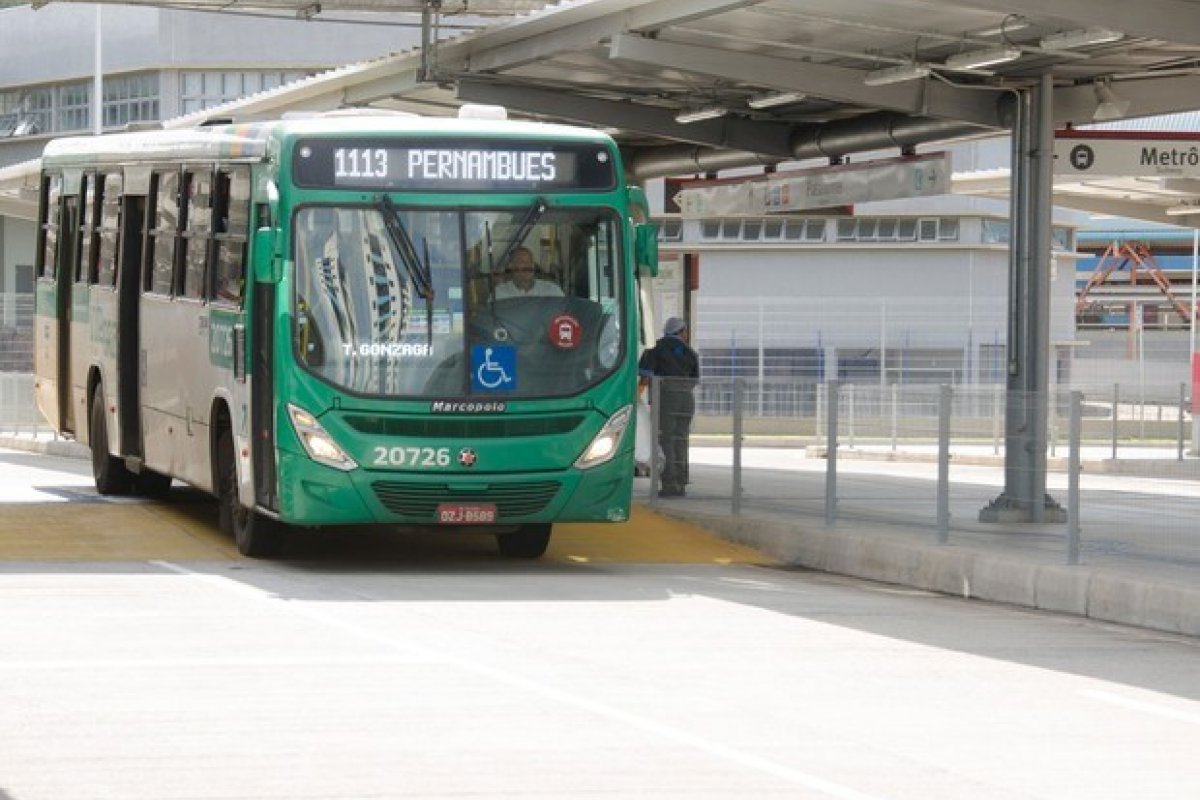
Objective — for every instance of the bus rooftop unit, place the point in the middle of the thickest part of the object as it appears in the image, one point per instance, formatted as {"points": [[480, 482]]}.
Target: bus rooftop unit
{"points": [[300, 317]]}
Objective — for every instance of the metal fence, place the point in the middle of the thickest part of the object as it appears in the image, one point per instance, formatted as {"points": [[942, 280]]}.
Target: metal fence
{"points": [[1122, 477]]}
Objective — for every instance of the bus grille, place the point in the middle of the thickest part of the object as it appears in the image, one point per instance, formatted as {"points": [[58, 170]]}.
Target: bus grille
{"points": [[421, 499], [459, 428]]}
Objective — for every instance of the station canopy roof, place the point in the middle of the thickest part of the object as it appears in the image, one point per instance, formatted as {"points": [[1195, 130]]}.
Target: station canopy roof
{"points": [[695, 86]]}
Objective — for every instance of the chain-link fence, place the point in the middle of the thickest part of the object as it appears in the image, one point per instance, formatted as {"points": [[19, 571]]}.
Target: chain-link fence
{"points": [[17, 410]]}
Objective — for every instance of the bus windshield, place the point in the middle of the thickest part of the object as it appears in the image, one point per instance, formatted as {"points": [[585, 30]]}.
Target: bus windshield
{"points": [[422, 303]]}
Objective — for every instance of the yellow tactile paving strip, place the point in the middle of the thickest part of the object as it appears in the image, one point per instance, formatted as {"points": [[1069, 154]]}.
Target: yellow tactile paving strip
{"points": [[187, 531], [108, 532]]}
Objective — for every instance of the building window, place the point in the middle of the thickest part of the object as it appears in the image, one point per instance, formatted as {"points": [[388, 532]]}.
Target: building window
{"points": [[751, 229], [1060, 238], [670, 230], [39, 112], [74, 107], [24, 112], [948, 229], [201, 90], [996, 231], [132, 98]]}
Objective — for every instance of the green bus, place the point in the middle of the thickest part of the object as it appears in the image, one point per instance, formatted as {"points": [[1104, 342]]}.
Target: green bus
{"points": [[304, 318]]}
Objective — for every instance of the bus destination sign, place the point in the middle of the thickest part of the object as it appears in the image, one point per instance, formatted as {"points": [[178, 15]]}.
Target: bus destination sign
{"points": [[453, 166]]}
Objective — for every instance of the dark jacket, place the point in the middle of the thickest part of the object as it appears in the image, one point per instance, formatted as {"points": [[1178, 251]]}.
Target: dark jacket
{"points": [[671, 358]]}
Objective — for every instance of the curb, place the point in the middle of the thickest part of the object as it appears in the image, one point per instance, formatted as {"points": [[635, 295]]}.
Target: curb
{"points": [[64, 448], [1090, 592]]}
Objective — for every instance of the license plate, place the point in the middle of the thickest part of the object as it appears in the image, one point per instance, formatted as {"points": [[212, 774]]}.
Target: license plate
{"points": [[466, 513]]}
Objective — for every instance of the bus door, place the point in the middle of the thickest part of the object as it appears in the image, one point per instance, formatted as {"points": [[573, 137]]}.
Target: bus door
{"points": [[68, 247], [129, 283]]}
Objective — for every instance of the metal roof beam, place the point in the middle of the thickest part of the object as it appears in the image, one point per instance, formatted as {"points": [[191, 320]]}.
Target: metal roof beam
{"points": [[767, 138], [1077, 104], [1170, 20], [924, 98], [399, 83], [1114, 207], [564, 29]]}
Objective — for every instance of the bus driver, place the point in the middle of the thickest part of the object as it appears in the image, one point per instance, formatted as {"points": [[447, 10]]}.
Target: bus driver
{"points": [[522, 280]]}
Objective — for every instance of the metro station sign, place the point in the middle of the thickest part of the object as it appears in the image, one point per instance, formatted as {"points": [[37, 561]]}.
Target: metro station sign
{"points": [[824, 187], [1129, 154]]}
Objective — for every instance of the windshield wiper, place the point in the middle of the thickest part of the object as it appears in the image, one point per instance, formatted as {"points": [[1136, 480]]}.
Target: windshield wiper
{"points": [[532, 215], [418, 269]]}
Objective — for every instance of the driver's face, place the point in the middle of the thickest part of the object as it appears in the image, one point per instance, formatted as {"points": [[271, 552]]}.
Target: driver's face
{"points": [[521, 268]]}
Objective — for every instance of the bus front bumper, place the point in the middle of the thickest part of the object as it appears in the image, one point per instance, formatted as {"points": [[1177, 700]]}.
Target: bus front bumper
{"points": [[311, 494]]}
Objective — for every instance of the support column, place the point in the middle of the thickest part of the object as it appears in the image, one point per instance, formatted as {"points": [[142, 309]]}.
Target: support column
{"points": [[1024, 498]]}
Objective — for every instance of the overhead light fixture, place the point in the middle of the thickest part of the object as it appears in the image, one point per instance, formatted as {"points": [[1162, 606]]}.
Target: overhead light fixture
{"points": [[896, 74], [975, 59], [700, 114], [776, 99], [1013, 22], [1108, 104], [1083, 37]]}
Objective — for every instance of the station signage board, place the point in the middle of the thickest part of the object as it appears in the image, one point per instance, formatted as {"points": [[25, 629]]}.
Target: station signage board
{"points": [[824, 187], [1127, 154]]}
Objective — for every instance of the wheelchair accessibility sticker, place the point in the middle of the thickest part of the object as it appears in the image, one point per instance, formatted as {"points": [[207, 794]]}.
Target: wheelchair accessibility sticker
{"points": [[493, 368]]}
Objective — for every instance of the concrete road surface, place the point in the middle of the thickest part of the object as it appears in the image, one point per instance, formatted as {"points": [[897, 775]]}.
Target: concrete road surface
{"points": [[637, 661]]}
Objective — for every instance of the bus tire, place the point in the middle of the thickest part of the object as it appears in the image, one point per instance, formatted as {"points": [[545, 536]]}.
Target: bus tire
{"points": [[530, 541], [256, 536], [109, 472]]}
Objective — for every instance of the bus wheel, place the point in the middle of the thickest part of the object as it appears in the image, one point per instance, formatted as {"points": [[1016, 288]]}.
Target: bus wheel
{"points": [[528, 542], [110, 473], [256, 536]]}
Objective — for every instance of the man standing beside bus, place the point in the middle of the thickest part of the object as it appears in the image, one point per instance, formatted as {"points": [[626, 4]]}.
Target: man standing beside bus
{"points": [[678, 368]]}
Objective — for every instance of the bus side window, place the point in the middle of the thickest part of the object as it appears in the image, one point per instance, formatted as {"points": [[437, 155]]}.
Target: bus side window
{"points": [[108, 229], [231, 220], [85, 271], [197, 233], [164, 233], [48, 234]]}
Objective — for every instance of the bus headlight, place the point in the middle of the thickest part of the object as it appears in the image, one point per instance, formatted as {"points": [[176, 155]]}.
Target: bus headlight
{"points": [[604, 446], [609, 346], [317, 443]]}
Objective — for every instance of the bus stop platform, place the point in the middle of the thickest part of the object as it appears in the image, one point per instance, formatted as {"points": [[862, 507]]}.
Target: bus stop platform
{"points": [[1119, 579], [1139, 563]]}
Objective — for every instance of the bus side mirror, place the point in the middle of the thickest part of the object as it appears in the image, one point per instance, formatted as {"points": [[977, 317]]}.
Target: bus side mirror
{"points": [[267, 268], [639, 206], [645, 249]]}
